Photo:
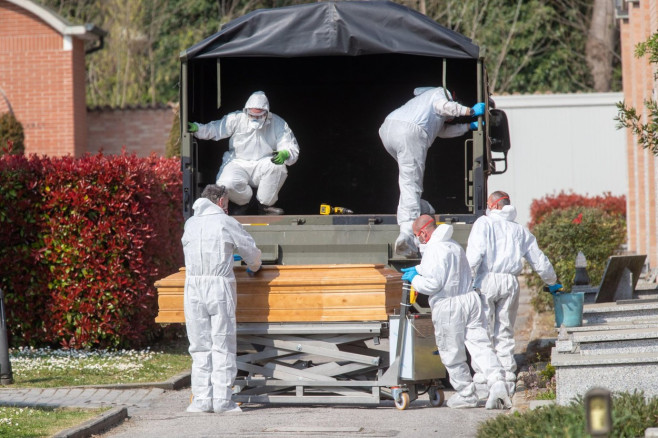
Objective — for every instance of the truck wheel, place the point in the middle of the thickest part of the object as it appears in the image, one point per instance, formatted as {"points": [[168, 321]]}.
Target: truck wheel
{"points": [[402, 402], [436, 395]]}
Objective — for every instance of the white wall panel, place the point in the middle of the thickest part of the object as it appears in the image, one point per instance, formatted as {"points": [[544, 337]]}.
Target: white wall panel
{"points": [[562, 142]]}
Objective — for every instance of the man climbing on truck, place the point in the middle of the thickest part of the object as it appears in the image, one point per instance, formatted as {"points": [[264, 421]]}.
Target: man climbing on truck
{"points": [[407, 134]]}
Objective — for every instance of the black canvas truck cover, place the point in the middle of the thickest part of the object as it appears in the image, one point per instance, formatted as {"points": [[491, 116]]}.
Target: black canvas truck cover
{"points": [[333, 71]]}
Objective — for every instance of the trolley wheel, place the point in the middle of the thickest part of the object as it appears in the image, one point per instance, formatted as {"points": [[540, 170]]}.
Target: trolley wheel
{"points": [[402, 402], [436, 395]]}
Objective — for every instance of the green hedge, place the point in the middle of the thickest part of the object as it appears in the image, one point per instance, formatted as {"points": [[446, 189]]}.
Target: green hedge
{"points": [[82, 242], [11, 135], [563, 233], [632, 414]]}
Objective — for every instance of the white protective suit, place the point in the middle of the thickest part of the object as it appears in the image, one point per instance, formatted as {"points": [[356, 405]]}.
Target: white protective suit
{"points": [[457, 313], [407, 133], [209, 241], [496, 248], [247, 163]]}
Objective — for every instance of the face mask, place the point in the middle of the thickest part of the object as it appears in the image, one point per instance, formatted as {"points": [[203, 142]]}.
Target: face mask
{"points": [[256, 123], [417, 242], [421, 248]]}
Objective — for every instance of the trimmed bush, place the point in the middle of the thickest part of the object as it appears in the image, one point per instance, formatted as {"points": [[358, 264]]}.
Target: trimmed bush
{"points": [[563, 233], [632, 414], [11, 135], [606, 202], [82, 242]]}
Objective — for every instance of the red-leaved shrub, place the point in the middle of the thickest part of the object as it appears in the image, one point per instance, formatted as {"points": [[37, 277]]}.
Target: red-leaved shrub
{"points": [[607, 202], [81, 243]]}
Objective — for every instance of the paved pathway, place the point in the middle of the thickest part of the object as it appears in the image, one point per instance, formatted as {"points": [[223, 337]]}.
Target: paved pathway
{"points": [[78, 397], [135, 400]]}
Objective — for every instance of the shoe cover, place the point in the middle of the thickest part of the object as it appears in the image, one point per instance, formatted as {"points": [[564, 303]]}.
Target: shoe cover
{"points": [[482, 391], [405, 246], [510, 380], [200, 405], [426, 208], [511, 387], [459, 402], [225, 406], [498, 396]]}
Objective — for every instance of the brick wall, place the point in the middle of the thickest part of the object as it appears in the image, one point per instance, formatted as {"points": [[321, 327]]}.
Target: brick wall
{"points": [[640, 85], [37, 74], [140, 130]]}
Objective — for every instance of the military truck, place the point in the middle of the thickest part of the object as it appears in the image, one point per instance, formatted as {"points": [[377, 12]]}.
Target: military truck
{"points": [[333, 71]]}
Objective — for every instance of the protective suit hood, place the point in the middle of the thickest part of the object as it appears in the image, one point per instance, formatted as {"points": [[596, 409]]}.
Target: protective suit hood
{"points": [[442, 233], [204, 207], [507, 213], [420, 90], [258, 100]]}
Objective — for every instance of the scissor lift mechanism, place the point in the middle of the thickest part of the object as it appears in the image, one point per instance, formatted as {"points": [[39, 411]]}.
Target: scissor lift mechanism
{"points": [[335, 363]]}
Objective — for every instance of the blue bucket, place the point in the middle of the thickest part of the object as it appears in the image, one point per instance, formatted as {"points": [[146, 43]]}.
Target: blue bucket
{"points": [[569, 309]]}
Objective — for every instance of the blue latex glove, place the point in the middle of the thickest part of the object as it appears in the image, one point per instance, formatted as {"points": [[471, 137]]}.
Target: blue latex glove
{"points": [[474, 125], [252, 273], [478, 109], [409, 273], [552, 288], [236, 257], [192, 127]]}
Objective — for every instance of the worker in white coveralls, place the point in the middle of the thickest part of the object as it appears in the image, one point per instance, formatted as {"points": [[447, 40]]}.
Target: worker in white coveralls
{"points": [[457, 315], [407, 134], [260, 148], [496, 248], [209, 240]]}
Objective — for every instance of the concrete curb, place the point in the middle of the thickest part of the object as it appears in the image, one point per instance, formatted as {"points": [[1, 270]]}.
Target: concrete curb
{"points": [[115, 416], [179, 381], [96, 425]]}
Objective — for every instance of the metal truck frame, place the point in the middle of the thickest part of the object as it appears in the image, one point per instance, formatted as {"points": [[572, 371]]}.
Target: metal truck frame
{"points": [[333, 71]]}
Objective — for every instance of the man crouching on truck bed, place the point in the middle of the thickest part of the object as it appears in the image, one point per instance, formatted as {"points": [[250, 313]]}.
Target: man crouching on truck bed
{"points": [[260, 147], [459, 322]]}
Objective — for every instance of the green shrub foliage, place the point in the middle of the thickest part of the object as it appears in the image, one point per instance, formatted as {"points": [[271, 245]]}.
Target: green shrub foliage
{"points": [[82, 242], [563, 233], [11, 135], [632, 413]]}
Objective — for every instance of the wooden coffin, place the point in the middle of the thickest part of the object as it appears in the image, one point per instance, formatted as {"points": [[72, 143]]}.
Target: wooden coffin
{"points": [[300, 293]]}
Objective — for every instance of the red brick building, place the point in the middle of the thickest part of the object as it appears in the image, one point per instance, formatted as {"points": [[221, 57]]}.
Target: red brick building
{"points": [[42, 75], [42, 80], [638, 20]]}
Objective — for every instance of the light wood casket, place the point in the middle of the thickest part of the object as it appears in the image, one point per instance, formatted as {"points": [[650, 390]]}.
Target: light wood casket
{"points": [[300, 293]]}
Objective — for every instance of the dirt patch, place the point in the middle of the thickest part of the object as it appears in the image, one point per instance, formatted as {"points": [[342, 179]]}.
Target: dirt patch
{"points": [[540, 332]]}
